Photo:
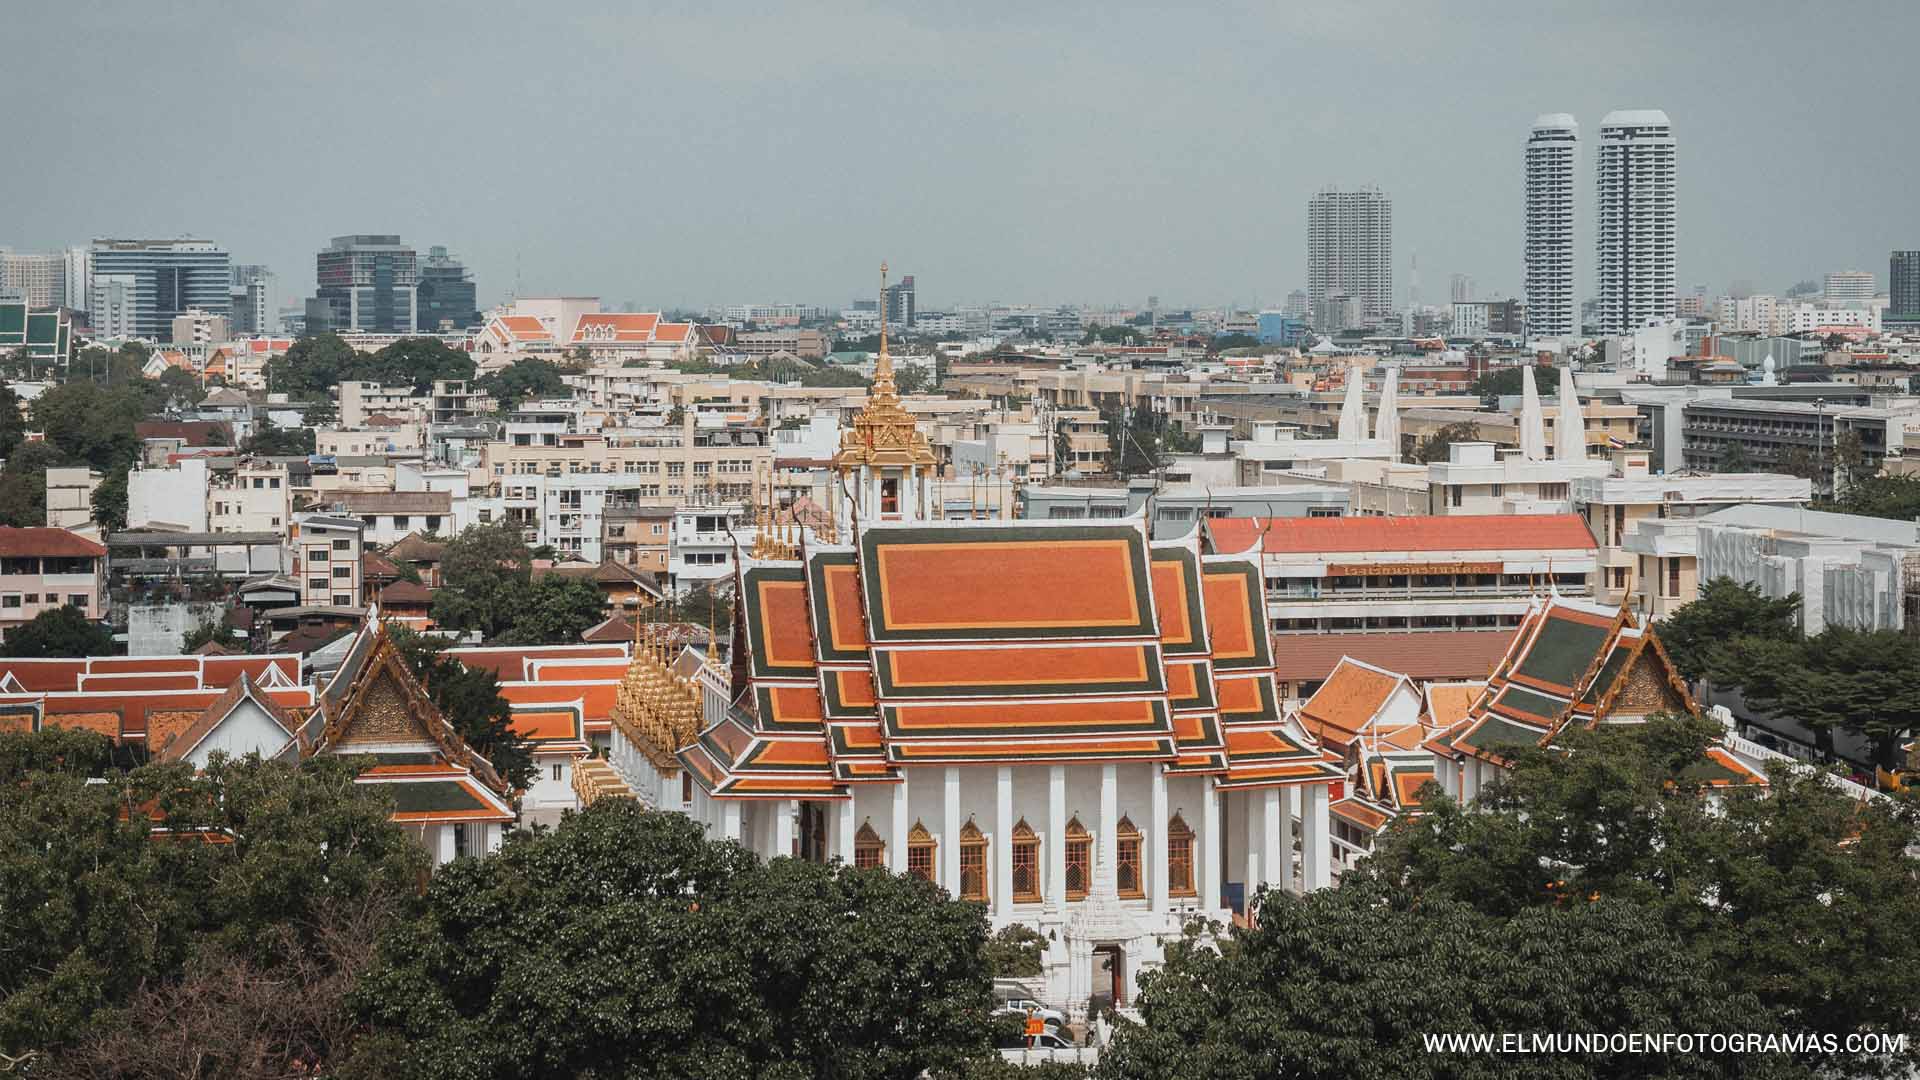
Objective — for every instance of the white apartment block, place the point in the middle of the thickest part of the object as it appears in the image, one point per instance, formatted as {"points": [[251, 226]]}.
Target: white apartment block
{"points": [[359, 400], [257, 496], [1350, 253], [1553, 150], [1849, 287], [1635, 176], [70, 496], [326, 559]]}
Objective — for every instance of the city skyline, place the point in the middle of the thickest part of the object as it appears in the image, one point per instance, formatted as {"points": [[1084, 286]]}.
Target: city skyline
{"points": [[697, 161]]}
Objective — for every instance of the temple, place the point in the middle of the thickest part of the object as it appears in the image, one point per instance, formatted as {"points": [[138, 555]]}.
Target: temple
{"points": [[1068, 722]]}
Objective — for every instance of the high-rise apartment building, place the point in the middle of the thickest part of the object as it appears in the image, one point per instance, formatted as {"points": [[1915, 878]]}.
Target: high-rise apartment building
{"points": [[1349, 257], [448, 300], [40, 280], [1461, 289], [900, 302], [1849, 287], [78, 260], [1553, 151], [1903, 285], [1635, 188], [366, 282], [255, 300], [151, 281]]}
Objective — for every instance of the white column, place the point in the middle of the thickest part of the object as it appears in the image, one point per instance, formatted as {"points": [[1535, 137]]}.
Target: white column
{"points": [[1110, 817], [1255, 843], [847, 826], [1274, 844], [1289, 816], [1056, 844], [950, 834], [897, 828], [730, 819], [1316, 854], [1153, 861], [1209, 844], [444, 842], [1001, 887], [783, 812]]}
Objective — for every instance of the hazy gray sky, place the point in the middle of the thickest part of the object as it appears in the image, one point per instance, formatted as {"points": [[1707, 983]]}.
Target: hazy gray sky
{"points": [[689, 153]]}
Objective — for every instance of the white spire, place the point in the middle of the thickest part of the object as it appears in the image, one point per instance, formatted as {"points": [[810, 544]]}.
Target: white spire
{"points": [[1386, 426], [1533, 424], [1570, 432], [1353, 411], [1767, 375]]}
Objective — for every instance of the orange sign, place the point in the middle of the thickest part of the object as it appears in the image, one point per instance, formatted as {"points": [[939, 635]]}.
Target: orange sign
{"points": [[1395, 569], [1035, 1026]]}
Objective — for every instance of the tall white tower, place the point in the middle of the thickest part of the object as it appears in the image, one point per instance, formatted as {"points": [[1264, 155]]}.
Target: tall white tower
{"points": [[1553, 150], [1349, 256], [1634, 172]]}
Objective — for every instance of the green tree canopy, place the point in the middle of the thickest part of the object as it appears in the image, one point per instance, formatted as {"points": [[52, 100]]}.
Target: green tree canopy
{"points": [[624, 943], [1896, 497], [1866, 682], [1700, 634], [61, 631], [1438, 446], [23, 483], [1497, 384], [486, 570], [275, 441], [1735, 459], [110, 501], [1794, 896], [317, 364], [118, 887], [557, 610], [531, 377], [13, 421], [91, 423]]}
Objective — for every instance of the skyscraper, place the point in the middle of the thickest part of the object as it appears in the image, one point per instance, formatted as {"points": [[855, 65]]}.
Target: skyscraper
{"points": [[1349, 257], [1634, 172], [151, 281], [366, 282], [448, 300], [41, 280], [1460, 289], [255, 300], [1903, 285], [1553, 148], [1848, 286], [900, 302]]}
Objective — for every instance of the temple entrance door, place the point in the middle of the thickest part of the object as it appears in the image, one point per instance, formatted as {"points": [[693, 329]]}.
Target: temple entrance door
{"points": [[813, 832], [1110, 971]]}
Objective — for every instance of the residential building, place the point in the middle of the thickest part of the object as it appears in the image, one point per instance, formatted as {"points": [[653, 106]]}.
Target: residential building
{"points": [[386, 517], [1903, 286], [136, 287], [1635, 220], [1460, 288], [805, 344], [1478, 479], [897, 301], [456, 400], [200, 328], [1849, 287], [70, 496], [327, 552], [1553, 152], [256, 301], [638, 536], [1349, 256], [704, 539], [46, 568], [40, 280], [360, 401], [366, 282], [1395, 574], [1648, 569], [255, 497], [448, 299]]}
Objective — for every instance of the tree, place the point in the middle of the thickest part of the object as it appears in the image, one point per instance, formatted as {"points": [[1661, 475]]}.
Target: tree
{"points": [[1498, 384], [1438, 446], [23, 483], [470, 700], [1346, 983], [1735, 459], [1017, 951], [13, 421], [1796, 896], [486, 570], [61, 631], [1699, 634], [92, 424], [1883, 496], [127, 885], [212, 630], [558, 609], [110, 502], [914, 379], [421, 361], [528, 378], [310, 366], [177, 387], [1866, 682], [624, 943], [271, 440]]}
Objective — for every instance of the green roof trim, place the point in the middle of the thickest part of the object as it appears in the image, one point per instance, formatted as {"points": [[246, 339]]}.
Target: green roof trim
{"points": [[1521, 699], [1562, 651]]}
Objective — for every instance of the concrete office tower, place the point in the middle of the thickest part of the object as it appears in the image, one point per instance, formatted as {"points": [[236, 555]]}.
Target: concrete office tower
{"points": [[1849, 286], [1634, 172], [136, 287], [1349, 255], [1903, 284], [447, 294], [1553, 151], [367, 282], [255, 300]]}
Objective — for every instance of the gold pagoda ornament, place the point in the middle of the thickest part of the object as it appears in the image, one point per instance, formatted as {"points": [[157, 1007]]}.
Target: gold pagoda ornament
{"points": [[884, 434]]}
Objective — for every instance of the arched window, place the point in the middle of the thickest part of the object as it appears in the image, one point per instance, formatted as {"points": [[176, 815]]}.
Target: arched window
{"points": [[973, 863], [1026, 864], [1179, 858], [920, 849], [1079, 860], [868, 852], [1129, 882]]}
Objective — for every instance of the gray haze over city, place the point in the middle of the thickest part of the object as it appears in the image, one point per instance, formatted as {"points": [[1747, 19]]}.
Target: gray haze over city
{"points": [[691, 153]]}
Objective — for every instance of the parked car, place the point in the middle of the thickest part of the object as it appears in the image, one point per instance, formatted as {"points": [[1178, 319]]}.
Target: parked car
{"points": [[1020, 999], [1052, 1018]]}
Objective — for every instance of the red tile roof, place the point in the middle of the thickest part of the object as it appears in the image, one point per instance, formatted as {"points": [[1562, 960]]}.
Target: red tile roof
{"points": [[1467, 532], [1441, 654], [46, 542]]}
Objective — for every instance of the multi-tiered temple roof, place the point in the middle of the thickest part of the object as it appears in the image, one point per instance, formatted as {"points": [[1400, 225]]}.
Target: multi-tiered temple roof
{"points": [[998, 644]]}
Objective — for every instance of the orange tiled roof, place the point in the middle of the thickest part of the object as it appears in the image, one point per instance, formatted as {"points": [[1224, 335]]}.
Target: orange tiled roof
{"points": [[1351, 696], [1469, 532], [1441, 654]]}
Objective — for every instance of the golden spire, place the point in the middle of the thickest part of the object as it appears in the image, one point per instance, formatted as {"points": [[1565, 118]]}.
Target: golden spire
{"points": [[883, 367], [884, 433]]}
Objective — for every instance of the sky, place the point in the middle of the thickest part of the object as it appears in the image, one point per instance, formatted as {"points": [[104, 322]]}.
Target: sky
{"points": [[680, 154]]}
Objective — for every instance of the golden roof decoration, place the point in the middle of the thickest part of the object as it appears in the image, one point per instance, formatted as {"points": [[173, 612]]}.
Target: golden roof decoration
{"points": [[884, 433]]}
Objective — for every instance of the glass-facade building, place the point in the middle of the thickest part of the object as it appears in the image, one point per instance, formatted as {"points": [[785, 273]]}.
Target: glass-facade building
{"points": [[448, 299], [366, 282], [160, 279], [1903, 286]]}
